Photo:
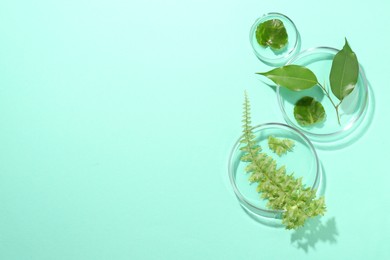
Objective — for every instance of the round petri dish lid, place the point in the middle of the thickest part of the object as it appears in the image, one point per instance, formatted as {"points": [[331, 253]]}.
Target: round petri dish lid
{"points": [[276, 57], [303, 151], [351, 110]]}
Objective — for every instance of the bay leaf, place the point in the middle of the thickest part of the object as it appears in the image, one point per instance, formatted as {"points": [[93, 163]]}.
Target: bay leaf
{"points": [[344, 72], [293, 77]]}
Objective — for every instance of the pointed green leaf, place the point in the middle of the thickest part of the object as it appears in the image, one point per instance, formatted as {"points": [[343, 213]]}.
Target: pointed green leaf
{"points": [[293, 77], [344, 72], [272, 33], [308, 111]]}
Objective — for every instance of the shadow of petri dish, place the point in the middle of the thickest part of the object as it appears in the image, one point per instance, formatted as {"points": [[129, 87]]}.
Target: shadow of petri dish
{"points": [[357, 131]]}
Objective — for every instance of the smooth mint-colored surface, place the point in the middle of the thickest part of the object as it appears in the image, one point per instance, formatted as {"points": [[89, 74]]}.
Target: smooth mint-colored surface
{"points": [[117, 118]]}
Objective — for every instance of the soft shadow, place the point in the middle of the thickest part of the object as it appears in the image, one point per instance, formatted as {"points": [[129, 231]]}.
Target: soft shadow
{"points": [[315, 231], [359, 129], [293, 96], [271, 86], [322, 183], [270, 222]]}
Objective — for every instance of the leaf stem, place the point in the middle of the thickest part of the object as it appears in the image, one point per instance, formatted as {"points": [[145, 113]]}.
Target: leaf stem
{"points": [[337, 111], [326, 92]]}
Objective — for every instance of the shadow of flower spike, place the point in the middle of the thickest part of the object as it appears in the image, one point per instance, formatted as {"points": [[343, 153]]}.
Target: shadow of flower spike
{"points": [[313, 232]]}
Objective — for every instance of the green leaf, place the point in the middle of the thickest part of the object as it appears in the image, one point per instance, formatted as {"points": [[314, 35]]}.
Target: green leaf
{"points": [[280, 146], [272, 33], [344, 72], [293, 77], [308, 111]]}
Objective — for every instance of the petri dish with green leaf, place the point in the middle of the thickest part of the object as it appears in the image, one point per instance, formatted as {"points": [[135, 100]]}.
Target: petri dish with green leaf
{"points": [[302, 151], [274, 39], [344, 107]]}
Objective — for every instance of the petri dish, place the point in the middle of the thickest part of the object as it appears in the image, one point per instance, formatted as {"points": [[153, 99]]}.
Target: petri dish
{"points": [[276, 57], [302, 162], [351, 110]]}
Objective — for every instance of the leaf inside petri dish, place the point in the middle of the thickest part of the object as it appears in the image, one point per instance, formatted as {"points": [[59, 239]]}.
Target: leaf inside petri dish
{"points": [[280, 146], [293, 77], [308, 111], [344, 72], [272, 33]]}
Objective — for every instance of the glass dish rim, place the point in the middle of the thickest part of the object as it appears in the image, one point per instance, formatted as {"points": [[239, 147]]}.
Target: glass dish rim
{"points": [[236, 145], [277, 59], [347, 126]]}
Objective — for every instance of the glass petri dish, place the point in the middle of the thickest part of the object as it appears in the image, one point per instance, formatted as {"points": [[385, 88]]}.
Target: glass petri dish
{"points": [[351, 110], [302, 161], [278, 57]]}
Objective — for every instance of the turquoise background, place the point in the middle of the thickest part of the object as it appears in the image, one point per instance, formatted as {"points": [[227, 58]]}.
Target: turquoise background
{"points": [[117, 118]]}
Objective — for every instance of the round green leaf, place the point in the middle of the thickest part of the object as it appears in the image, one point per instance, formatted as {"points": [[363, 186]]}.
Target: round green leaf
{"points": [[272, 33], [308, 111]]}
